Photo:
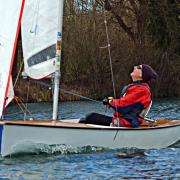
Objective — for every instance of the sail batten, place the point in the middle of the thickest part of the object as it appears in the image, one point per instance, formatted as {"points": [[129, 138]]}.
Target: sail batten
{"points": [[39, 29]]}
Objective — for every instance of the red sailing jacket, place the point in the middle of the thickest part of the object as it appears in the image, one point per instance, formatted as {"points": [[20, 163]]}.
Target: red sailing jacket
{"points": [[127, 109]]}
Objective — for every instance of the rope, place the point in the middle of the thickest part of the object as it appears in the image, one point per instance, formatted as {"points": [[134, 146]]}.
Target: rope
{"points": [[65, 91], [110, 59], [27, 97], [109, 52], [18, 73], [21, 105], [32, 30], [78, 95]]}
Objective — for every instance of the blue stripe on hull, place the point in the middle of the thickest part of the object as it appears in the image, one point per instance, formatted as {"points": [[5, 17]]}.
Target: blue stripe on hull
{"points": [[1, 130]]}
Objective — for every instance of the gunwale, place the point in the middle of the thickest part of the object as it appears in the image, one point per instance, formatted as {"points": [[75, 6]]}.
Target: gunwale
{"points": [[163, 123]]}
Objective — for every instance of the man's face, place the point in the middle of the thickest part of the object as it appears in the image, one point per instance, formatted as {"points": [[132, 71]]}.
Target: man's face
{"points": [[137, 72]]}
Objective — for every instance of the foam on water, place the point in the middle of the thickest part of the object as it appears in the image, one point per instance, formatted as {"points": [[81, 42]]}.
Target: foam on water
{"points": [[28, 147]]}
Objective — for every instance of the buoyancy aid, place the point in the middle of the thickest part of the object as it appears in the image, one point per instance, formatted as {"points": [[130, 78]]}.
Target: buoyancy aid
{"points": [[134, 99]]}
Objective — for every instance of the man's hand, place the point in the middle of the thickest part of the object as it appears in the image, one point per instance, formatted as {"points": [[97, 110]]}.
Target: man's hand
{"points": [[106, 100]]}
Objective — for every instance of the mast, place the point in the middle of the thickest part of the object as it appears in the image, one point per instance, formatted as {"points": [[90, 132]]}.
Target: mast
{"points": [[57, 74]]}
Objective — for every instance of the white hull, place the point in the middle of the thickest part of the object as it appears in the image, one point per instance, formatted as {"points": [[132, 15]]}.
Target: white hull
{"points": [[79, 135]]}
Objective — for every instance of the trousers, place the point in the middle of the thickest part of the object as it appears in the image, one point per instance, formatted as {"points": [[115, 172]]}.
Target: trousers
{"points": [[96, 118]]}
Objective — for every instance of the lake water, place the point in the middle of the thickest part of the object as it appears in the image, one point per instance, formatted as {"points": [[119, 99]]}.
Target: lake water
{"points": [[61, 162]]}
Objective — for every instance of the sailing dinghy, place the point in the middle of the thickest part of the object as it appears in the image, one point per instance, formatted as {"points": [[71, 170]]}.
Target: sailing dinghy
{"points": [[42, 36]]}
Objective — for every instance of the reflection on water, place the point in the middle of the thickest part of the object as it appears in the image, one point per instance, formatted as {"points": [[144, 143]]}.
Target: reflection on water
{"points": [[61, 162]]}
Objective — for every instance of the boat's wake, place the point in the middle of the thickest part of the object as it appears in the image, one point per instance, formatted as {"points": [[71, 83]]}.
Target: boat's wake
{"points": [[40, 148], [176, 145]]}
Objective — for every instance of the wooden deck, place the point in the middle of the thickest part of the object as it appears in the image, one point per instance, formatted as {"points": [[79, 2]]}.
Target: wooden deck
{"points": [[58, 123], [161, 122]]}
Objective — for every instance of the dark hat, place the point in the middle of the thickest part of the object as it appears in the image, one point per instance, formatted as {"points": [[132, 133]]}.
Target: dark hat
{"points": [[148, 73]]}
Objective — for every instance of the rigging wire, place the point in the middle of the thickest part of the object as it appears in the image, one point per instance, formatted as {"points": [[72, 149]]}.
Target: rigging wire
{"points": [[33, 30], [109, 52], [65, 91], [27, 97], [110, 61], [17, 78], [21, 105], [19, 101]]}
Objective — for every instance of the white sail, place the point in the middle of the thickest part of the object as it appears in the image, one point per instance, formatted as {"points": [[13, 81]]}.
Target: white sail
{"points": [[10, 95], [39, 30], [10, 17]]}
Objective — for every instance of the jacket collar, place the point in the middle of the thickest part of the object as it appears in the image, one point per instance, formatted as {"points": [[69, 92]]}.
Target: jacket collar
{"points": [[137, 82]]}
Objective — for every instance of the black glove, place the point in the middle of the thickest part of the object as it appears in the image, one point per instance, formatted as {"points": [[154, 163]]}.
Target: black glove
{"points": [[105, 101]]}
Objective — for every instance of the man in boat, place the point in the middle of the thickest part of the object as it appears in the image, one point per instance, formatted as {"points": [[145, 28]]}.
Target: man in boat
{"points": [[135, 98]]}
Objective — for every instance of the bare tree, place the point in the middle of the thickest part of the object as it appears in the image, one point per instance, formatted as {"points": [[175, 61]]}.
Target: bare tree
{"points": [[130, 15]]}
